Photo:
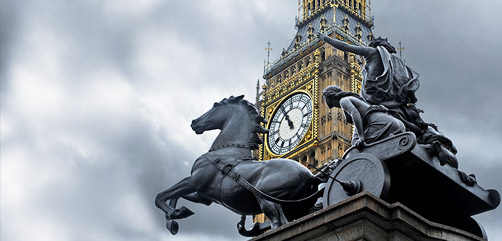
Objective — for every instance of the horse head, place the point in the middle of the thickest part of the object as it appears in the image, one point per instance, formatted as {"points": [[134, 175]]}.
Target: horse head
{"points": [[216, 117], [237, 118]]}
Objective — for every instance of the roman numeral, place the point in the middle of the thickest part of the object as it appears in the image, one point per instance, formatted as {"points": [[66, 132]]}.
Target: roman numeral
{"points": [[283, 110]]}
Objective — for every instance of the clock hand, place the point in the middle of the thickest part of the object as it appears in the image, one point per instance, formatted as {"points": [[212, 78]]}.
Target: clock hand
{"points": [[290, 123]]}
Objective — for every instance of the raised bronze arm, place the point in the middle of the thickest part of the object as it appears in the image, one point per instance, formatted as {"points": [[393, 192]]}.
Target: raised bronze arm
{"points": [[363, 51]]}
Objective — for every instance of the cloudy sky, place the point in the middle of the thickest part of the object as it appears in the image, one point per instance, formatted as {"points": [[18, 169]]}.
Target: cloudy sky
{"points": [[97, 97]]}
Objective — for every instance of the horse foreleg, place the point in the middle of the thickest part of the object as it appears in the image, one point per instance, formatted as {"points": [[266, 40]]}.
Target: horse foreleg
{"points": [[197, 198], [182, 212], [173, 194], [274, 212]]}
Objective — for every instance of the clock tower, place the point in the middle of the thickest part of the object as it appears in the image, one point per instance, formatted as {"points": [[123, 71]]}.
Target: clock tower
{"points": [[301, 126]]}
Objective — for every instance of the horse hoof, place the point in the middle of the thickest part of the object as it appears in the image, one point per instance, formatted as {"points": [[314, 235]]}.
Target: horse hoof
{"points": [[172, 226]]}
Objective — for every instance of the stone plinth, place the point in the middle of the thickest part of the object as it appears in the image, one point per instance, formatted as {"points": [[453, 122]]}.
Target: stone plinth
{"points": [[365, 217]]}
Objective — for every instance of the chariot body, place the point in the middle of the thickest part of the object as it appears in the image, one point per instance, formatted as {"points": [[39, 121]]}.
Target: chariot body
{"points": [[397, 169]]}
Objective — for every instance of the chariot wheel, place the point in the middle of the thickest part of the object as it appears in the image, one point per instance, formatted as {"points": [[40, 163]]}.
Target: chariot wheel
{"points": [[358, 173]]}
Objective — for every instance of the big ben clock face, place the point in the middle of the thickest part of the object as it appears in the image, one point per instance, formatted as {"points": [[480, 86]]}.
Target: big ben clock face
{"points": [[289, 124]]}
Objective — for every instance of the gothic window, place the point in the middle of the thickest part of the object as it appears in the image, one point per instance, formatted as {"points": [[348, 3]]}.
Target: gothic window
{"points": [[312, 156], [310, 31], [358, 31], [323, 24], [371, 37], [298, 39], [346, 22]]}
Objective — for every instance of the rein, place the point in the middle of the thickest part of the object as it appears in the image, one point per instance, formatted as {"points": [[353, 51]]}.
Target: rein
{"points": [[230, 145], [227, 170]]}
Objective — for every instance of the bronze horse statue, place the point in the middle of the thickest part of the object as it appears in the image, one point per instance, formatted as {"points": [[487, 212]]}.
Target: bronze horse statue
{"points": [[282, 189]]}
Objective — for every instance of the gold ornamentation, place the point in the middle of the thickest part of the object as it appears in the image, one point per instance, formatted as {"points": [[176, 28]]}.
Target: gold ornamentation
{"points": [[297, 79]]}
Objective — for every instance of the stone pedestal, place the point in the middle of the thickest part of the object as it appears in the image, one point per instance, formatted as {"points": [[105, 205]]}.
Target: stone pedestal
{"points": [[365, 217]]}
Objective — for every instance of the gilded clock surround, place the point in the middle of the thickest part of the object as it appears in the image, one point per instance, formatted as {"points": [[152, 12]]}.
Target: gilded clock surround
{"points": [[304, 134], [308, 139], [309, 65], [304, 81]]}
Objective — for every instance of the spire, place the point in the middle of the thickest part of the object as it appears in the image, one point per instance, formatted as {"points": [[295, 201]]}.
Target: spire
{"points": [[400, 49], [257, 91], [268, 49]]}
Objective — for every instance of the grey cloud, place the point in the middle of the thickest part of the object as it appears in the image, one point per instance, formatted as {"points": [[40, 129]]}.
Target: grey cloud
{"points": [[132, 157]]}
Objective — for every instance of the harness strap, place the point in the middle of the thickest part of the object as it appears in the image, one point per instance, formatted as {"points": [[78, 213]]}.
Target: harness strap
{"points": [[227, 170]]}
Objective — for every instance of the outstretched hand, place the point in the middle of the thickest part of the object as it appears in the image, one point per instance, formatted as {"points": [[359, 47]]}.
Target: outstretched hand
{"points": [[321, 36]]}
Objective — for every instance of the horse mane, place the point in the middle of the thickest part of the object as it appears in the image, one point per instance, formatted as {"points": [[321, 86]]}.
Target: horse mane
{"points": [[254, 115]]}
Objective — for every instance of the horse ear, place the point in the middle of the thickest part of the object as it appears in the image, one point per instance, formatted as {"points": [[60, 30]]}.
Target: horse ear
{"points": [[240, 97], [233, 99]]}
